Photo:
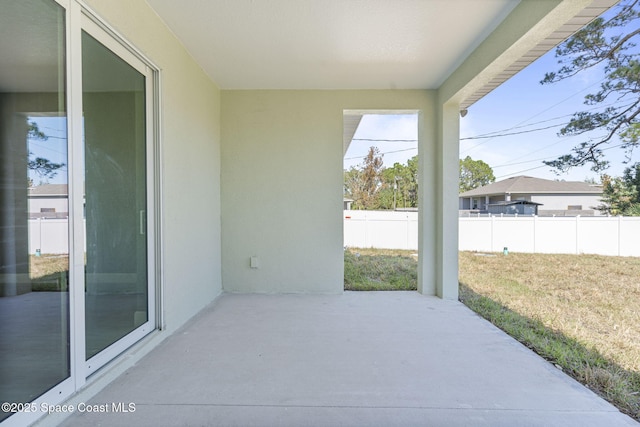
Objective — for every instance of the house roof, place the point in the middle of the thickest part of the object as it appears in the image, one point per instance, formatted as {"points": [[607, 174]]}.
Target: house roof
{"points": [[530, 185], [48, 190], [372, 44]]}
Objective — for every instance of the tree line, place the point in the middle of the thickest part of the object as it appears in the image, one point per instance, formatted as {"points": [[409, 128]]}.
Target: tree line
{"points": [[371, 186], [621, 195]]}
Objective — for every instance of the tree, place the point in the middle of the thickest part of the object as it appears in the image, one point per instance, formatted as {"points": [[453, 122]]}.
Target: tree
{"points": [[621, 195], [401, 182], [411, 188], [611, 44], [363, 185], [474, 174], [617, 196], [631, 176], [353, 186], [44, 168]]}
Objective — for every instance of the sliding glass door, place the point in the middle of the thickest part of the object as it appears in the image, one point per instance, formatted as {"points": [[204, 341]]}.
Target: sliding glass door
{"points": [[34, 249], [115, 171], [77, 241]]}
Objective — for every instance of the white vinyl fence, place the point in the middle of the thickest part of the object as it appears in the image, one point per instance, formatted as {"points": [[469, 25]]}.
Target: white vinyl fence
{"points": [[381, 229], [618, 236], [49, 236]]}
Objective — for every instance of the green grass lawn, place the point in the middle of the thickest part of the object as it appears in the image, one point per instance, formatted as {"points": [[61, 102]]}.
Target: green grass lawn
{"points": [[380, 270], [580, 312], [49, 272]]}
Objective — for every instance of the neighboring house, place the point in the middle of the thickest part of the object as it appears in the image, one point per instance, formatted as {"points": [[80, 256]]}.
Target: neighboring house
{"points": [[560, 198], [204, 142], [48, 201]]}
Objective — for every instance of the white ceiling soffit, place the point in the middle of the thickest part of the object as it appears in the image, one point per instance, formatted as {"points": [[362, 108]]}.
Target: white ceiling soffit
{"points": [[350, 121], [595, 9], [331, 44], [346, 44]]}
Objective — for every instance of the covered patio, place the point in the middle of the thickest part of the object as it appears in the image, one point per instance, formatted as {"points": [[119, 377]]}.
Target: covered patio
{"points": [[357, 359], [237, 114]]}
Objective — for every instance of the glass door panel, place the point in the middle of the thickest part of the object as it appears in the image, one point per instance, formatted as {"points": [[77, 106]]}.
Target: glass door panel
{"points": [[116, 285], [34, 206]]}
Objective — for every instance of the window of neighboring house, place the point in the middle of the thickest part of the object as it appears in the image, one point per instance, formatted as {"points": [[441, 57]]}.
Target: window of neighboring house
{"points": [[575, 207], [47, 210]]}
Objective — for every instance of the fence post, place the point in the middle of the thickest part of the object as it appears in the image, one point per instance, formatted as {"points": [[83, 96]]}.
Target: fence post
{"points": [[577, 234], [39, 248], [366, 231], [535, 223], [492, 231], [406, 216], [619, 235]]}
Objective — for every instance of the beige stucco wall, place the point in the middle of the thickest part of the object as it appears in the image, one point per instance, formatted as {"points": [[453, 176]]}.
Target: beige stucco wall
{"points": [[190, 152], [282, 185], [281, 166]]}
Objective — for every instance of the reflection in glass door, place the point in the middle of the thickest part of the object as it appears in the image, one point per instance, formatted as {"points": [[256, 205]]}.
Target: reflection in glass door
{"points": [[74, 180], [34, 248], [116, 285]]}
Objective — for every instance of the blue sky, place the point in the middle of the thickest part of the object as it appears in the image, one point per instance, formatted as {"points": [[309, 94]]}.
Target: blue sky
{"points": [[521, 104], [381, 127], [54, 148]]}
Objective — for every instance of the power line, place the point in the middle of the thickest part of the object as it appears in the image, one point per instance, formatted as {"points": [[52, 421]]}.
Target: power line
{"points": [[384, 140], [524, 126], [64, 129], [47, 147], [64, 138], [510, 134], [556, 142], [498, 133], [519, 172], [383, 153], [541, 166], [532, 152], [528, 161], [520, 163], [537, 114]]}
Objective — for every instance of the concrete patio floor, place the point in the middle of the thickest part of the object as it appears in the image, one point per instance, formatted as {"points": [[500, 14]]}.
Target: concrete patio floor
{"points": [[357, 359]]}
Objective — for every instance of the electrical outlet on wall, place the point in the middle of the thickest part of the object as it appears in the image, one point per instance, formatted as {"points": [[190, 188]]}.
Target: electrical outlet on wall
{"points": [[254, 262]]}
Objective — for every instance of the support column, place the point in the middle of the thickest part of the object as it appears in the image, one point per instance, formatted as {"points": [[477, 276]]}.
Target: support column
{"points": [[427, 201], [447, 170]]}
